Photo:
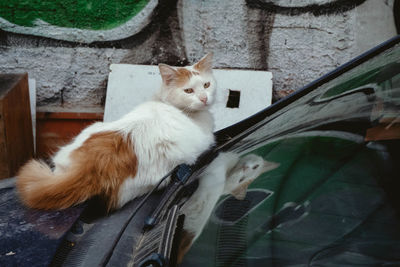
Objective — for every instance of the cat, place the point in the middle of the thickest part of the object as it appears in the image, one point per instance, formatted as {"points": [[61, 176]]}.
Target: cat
{"points": [[227, 174], [126, 158]]}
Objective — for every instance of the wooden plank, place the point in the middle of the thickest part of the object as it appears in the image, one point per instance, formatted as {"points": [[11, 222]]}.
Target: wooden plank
{"points": [[16, 122], [70, 115], [4, 168], [57, 126], [383, 132]]}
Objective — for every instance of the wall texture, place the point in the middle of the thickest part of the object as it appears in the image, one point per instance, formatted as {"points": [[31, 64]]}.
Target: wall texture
{"points": [[68, 45]]}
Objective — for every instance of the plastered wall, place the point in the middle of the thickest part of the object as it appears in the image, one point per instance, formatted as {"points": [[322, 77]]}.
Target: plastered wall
{"points": [[67, 46]]}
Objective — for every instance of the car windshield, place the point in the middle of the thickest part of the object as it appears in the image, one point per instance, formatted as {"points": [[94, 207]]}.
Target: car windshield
{"points": [[333, 199]]}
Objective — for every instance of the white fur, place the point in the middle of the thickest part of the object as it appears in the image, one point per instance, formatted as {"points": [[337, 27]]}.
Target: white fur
{"points": [[191, 102], [161, 144], [174, 128], [61, 159]]}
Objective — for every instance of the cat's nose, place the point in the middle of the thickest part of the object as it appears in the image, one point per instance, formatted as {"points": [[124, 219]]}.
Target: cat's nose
{"points": [[203, 99]]}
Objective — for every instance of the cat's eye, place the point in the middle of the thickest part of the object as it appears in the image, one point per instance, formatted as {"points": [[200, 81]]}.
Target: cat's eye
{"points": [[207, 84], [256, 166], [188, 90], [241, 179]]}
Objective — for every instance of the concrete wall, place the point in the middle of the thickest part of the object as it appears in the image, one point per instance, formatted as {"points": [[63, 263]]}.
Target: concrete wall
{"points": [[67, 46]]}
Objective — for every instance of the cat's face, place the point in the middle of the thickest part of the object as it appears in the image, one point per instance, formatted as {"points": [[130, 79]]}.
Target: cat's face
{"points": [[189, 88], [246, 171]]}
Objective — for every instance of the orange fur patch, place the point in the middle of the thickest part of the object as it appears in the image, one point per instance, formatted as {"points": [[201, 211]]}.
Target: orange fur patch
{"points": [[184, 245], [98, 167], [205, 64], [109, 159], [182, 76]]}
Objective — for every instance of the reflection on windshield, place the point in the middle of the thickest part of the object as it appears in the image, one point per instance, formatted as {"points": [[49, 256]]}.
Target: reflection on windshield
{"points": [[333, 199], [227, 174]]}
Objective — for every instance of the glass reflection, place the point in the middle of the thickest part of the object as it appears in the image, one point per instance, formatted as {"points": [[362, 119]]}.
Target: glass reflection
{"points": [[333, 200]]}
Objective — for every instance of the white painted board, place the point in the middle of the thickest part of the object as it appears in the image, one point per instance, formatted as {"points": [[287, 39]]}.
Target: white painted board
{"points": [[130, 85]]}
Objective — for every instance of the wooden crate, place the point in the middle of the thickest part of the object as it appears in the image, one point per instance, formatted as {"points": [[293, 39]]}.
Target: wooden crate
{"points": [[16, 138]]}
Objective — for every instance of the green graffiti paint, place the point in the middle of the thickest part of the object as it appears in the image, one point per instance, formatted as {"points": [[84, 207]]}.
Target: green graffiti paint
{"points": [[79, 14]]}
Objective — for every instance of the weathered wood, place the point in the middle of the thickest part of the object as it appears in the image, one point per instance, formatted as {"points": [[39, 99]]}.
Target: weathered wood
{"points": [[16, 138], [384, 131], [58, 126]]}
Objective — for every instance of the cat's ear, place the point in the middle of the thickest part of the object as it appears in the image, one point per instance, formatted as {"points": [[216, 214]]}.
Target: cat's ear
{"points": [[205, 64], [269, 165], [168, 73]]}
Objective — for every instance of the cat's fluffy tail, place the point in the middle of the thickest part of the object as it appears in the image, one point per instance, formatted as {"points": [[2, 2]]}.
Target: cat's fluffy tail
{"points": [[98, 167], [40, 188]]}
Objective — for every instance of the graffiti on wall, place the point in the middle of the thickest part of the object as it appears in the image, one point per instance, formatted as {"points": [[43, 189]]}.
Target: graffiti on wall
{"points": [[101, 21], [242, 34], [315, 7], [76, 20], [127, 24]]}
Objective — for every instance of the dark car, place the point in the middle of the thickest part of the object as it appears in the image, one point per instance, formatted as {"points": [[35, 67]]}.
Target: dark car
{"points": [[333, 201]]}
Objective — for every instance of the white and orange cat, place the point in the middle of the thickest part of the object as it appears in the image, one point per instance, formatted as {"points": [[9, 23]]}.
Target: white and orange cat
{"points": [[124, 159]]}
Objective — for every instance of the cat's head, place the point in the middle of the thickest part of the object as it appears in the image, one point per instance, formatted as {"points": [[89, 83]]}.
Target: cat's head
{"points": [[190, 88], [246, 171]]}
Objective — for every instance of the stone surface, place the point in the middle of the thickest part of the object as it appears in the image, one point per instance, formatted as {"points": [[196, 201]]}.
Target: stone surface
{"points": [[63, 75], [298, 41]]}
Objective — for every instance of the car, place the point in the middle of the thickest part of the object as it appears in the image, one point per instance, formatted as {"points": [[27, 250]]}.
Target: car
{"points": [[333, 200]]}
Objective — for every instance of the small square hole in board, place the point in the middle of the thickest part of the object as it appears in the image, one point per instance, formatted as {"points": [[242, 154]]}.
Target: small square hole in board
{"points": [[233, 99]]}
